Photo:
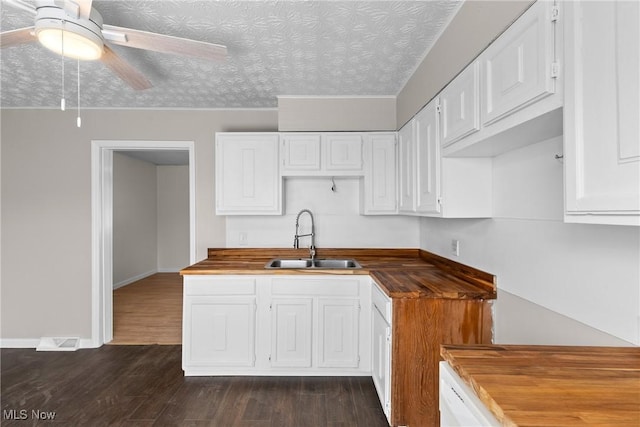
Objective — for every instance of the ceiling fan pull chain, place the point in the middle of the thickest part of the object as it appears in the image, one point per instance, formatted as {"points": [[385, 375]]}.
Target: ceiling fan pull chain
{"points": [[62, 101], [79, 121]]}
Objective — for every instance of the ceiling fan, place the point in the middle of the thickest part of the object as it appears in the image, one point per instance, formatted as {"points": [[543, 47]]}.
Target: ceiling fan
{"points": [[72, 28]]}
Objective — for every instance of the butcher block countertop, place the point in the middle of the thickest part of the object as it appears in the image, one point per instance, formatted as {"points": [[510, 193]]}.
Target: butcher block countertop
{"points": [[401, 273], [552, 385]]}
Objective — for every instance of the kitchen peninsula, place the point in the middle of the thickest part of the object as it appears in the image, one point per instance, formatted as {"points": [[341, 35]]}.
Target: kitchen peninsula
{"points": [[525, 385], [386, 320]]}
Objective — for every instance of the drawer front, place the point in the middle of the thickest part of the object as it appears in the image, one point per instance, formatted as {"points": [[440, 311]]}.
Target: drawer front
{"points": [[297, 285], [207, 285], [381, 301]]}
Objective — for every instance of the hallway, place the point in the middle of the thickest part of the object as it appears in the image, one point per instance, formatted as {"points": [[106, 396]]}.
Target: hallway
{"points": [[149, 311]]}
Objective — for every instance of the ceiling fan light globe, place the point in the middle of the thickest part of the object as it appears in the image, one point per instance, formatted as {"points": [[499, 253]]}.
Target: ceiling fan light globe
{"points": [[76, 46]]}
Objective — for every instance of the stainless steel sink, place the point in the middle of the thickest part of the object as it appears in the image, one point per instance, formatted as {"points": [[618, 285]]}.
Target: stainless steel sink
{"points": [[329, 263], [289, 263], [335, 263]]}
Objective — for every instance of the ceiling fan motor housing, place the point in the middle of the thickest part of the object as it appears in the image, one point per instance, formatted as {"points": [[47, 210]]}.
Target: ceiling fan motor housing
{"points": [[82, 37]]}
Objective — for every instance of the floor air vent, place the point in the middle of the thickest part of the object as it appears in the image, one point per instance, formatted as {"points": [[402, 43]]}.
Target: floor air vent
{"points": [[58, 344]]}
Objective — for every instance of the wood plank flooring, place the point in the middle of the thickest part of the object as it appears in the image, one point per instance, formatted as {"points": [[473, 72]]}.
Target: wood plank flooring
{"points": [[149, 311], [144, 386]]}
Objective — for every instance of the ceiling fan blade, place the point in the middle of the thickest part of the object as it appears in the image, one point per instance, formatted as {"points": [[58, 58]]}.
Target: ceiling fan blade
{"points": [[162, 43], [124, 70], [21, 4], [85, 8], [17, 37]]}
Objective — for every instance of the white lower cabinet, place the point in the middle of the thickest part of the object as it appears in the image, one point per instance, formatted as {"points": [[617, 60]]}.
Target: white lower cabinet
{"points": [[381, 351], [459, 405], [291, 332], [219, 323], [338, 320], [277, 325]]}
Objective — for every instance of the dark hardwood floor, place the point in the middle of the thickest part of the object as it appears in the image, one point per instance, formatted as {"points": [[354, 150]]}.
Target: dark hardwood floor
{"points": [[145, 386]]}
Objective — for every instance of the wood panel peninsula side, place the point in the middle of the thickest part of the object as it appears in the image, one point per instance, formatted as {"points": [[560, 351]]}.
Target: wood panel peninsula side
{"points": [[433, 301]]}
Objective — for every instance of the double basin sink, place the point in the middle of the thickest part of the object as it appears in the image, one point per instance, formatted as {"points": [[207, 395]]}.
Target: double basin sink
{"points": [[307, 263]]}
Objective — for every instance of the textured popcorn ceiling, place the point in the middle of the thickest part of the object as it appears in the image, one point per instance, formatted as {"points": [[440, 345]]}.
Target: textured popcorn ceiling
{"points": [[323, 48]]}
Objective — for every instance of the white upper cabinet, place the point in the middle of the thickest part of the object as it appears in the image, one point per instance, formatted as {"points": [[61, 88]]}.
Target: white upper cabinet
{"points": [[434, 186], [321, 154], [342, 152], [460, 106], [300, 152], [406, 168], [427, 159], [517, 67], [602, 112], [379, 192], [247, 175], [520, 90]]}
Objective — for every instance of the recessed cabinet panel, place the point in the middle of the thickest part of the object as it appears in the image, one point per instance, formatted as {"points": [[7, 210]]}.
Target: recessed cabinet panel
{"points": [[247, 177], [222, 331], [406, 165], [460, 106], [428, 160], [291, 322], [379, 183], [382, 361], [300, 152], [602, 130], [338, 323], [517, 66], [321, 154], [342, 151]]}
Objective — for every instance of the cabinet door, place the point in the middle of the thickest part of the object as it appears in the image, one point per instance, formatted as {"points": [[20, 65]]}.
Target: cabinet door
{"points": [[247, 178], [291, 323], [221, 331], [460, 106], [601, 128], [338, 333], [517, 66], [406, 164], [428, 160], [342, 151], [300, 152], [382, 360], [379, 195]]}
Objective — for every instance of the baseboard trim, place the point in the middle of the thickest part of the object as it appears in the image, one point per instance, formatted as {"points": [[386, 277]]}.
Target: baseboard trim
{"points": [[169, 270], [19, 342], [33, 343], [134, 279]]}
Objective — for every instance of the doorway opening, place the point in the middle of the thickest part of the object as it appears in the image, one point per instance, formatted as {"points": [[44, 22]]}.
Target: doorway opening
{"points": [[102, 186]]}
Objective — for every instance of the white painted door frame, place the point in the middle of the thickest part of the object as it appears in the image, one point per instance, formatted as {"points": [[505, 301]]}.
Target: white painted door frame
{"points": [[102, 226]]}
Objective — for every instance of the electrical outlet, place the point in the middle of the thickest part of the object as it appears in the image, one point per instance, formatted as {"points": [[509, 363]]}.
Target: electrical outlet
{"points": [[455, 247], [243, 238]]}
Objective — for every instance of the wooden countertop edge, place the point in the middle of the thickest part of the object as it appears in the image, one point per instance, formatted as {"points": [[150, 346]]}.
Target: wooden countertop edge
{"points": [[570, 358], [482, 394]]}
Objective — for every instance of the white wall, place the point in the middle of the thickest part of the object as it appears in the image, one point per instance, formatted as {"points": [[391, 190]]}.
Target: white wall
{"points": [[46, 204], [173, 218], [333, 113], [135, 225], [337, 219], [588, 273], [473, 28]]}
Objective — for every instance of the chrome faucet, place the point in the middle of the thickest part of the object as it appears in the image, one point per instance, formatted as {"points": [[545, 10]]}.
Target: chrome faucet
{"points": [[296, 238]]}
